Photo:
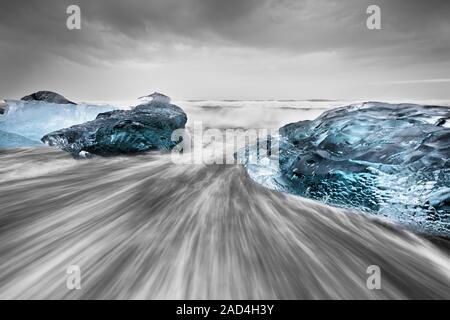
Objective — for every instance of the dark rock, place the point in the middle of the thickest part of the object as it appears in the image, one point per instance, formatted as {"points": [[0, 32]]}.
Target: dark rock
{"points": [[3, 107], [146, 127], [47, 96]]}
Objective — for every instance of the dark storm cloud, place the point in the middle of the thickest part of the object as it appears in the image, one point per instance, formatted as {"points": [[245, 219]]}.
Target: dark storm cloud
{"points": [[33, 33]]}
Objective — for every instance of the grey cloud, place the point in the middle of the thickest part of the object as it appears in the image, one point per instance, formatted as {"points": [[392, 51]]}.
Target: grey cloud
{"points": [[301, 26], [32, 33]]}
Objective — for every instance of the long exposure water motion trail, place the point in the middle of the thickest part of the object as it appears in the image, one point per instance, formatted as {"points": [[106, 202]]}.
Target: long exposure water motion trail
{"points": [[142, 227]]}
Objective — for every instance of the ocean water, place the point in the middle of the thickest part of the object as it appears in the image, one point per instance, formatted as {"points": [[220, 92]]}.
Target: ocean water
{"points": [[143, 227]]}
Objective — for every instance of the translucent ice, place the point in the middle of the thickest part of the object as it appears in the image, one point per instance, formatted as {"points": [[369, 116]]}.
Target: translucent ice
{"points": [[391, 160], [33, 119], [12, 140]]}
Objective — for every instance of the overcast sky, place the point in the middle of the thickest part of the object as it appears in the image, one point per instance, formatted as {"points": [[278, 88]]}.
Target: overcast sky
{"points": [[226, 49]]}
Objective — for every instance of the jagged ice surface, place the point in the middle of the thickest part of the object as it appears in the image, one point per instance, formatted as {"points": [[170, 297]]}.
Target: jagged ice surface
{"points": [[391, 160], [146, 127]]}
